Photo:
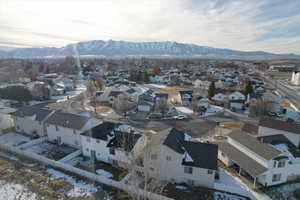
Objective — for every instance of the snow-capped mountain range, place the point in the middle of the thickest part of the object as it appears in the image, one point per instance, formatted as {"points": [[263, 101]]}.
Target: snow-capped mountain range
{"points": [[111, 48]]}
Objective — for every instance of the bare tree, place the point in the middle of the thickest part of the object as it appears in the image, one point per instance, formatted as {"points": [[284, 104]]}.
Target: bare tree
{"points": [[258, 109], [194, 104], [91, 89], [161, 105], [122, 104], [99, 83]]}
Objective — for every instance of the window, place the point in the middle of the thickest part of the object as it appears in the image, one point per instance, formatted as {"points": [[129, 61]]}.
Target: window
{"points": [[188, 170], [88, 139], [274, 165], [281, 163], [153, 156], [209, 171], [169, 158], [74, 131], [276, 177], [56, 128], [112, 151], [151, 168], [87, 149]]}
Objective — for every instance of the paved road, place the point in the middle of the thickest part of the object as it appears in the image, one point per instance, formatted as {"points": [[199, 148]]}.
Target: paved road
{"points": [[287, 92]]}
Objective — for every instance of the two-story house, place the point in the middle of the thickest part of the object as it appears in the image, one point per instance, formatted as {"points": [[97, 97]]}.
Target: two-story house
{"points": [[110, 142], [170, 155], [29, 120], [260, 162], [65, 128], [270, 126]]}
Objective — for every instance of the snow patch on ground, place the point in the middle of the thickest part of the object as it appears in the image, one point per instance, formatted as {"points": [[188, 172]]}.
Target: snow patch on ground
{"points": [[152, 86], [285, 148], [81, 189], [212, 110], [184, 110], [69, 94], [180, 187], [284, 192], [227, 182], [11, 191], [291, 114], [13, 139], [104, 173], [221, 196]]}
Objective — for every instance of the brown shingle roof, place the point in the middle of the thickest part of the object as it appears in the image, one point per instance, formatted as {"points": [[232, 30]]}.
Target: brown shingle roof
{"points": [[280, 125], [264, 150]]}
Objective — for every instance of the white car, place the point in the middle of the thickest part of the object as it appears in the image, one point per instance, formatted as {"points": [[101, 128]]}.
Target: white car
{"points": [[179, 117]]}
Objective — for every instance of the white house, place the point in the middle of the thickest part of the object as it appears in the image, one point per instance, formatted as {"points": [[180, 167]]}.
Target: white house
{"points": [[30, 120], [220, 98], [237, 104], [260, 162], [111, 143], [6, 120], [268, 126], [65, 128], [273, 102], [203, 102], [236, 96], [170, 155]]}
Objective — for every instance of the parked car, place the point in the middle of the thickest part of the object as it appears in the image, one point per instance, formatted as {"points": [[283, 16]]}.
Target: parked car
{"points": [[155, 116], [180, 117]]}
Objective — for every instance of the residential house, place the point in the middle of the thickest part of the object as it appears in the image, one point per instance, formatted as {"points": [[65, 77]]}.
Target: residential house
{"points": [[236, 104], [65, 128], [186, 97], [236, 96], [111, 143], [30, 120], [273, 102], [259, 162], [220, 98], [146, 101], [65, 83], [170, 155], [39, 90], [269, 126]]}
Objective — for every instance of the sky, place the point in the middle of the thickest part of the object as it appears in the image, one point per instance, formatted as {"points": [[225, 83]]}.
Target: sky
{"points": [[266, 25]]}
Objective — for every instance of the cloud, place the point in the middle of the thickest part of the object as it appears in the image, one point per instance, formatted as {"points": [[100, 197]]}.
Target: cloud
{"points": [[237, 24]]}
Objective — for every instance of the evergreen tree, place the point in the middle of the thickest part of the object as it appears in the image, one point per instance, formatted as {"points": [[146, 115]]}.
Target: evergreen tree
{"points": [[248, 88], [146, 78], [211, 90]]}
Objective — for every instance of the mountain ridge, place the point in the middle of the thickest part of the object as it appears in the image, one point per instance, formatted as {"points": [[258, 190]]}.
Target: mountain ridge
{"points": [[112, 48]]}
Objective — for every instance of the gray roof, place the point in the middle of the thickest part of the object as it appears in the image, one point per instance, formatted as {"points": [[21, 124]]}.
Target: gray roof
{"points": [[264, 150], [67, 120], [245, 162], [115, 93], [280, 125], [29, 111]]}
